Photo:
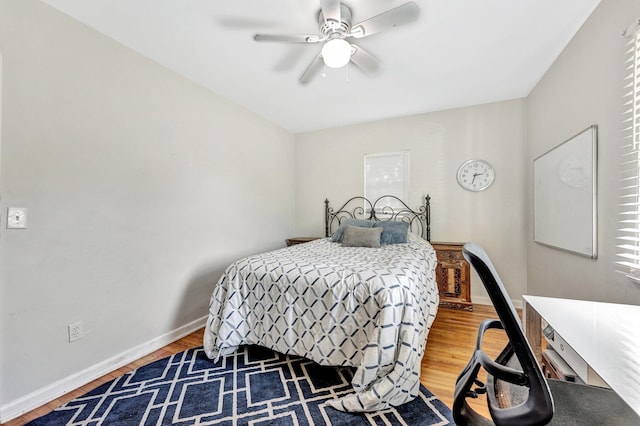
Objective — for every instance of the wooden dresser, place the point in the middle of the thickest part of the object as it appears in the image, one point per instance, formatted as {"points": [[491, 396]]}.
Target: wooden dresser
{"points": [[453, 276]]}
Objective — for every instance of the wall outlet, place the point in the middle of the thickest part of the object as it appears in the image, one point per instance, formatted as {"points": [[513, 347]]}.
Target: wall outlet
{"points": [[75, 331]]}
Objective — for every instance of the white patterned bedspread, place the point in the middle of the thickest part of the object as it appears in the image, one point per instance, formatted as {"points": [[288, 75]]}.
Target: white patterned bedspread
{"points": [[369, 308]]}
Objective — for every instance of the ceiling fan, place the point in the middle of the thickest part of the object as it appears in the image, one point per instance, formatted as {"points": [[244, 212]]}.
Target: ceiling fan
{"points": [[336, 31]]}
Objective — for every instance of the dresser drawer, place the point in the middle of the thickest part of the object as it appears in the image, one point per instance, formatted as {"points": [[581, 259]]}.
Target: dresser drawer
{"points": [[449, 255]]}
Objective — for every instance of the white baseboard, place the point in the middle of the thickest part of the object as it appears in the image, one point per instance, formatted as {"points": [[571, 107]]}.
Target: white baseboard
{"points": [[485, 300], [50, 392]]}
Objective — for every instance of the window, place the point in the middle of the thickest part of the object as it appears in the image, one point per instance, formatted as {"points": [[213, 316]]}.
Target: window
{"points": [[629, 214], [387, 174]]}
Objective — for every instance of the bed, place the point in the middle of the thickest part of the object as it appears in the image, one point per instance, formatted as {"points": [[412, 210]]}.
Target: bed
{"points": [[367, 308]]}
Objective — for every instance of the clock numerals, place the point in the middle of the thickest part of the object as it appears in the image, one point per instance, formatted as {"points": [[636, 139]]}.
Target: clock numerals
{"points": [[475, 175]]}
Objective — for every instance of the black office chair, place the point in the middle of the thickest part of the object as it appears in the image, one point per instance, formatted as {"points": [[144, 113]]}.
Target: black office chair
{"points": [[517, 391]]}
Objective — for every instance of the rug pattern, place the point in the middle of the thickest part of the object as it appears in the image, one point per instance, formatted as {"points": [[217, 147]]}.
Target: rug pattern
{"points": [[252, 387]]}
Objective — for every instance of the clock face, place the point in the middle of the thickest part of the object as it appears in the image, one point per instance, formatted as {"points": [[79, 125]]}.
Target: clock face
{"points": [[475, 175]]}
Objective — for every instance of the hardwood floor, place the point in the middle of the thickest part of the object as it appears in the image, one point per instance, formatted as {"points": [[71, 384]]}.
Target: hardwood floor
{"points": [[449, 347]]}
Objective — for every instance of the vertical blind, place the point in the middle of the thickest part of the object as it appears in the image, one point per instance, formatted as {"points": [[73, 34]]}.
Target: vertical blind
{"points": [[628, 253]]}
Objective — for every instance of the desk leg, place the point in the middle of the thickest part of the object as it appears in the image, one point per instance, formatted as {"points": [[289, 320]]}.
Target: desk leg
{"points": [[533, 330]]}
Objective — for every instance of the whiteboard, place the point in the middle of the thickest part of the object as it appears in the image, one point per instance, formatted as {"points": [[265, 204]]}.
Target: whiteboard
{"points": [[564, 195]]}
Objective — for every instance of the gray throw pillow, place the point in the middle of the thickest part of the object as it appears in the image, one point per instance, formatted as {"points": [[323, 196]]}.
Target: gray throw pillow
{"points": [[362, 223], [355, 236], [393, 232]]}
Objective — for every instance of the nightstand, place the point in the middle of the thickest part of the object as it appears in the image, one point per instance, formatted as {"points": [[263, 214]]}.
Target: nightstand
{"points": [[299, 240], [453, 276]]}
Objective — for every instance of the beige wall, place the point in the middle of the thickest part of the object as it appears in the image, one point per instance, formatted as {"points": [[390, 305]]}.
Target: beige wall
{"points": [[141, 187], [329, 164], [132, 177], [583, 87]]}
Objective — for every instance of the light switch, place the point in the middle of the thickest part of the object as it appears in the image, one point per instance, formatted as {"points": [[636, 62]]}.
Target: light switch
{"points": [[16, 218]]}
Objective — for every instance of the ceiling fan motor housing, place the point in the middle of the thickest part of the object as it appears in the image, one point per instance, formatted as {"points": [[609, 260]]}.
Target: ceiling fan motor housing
{"points": [[335, 23], [331, 26]]}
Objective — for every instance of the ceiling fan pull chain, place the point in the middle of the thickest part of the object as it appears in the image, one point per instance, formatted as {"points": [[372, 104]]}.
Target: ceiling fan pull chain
{"points": [[346, 73]]}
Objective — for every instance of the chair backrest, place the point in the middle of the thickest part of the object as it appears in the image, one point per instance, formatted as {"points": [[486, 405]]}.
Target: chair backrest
{"points": [[506, 372]]}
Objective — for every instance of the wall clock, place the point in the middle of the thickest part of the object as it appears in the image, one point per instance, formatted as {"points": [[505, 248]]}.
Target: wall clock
{"points": [[475, 175]]}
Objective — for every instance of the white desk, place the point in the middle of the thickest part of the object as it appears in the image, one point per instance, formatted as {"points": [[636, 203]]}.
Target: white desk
{"points": [[605, 335]]}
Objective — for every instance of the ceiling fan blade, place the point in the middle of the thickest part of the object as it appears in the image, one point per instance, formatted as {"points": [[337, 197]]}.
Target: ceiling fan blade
{"points": [[312, 69], [365, 61], [400, 15], [288, 38], [330, 9]]}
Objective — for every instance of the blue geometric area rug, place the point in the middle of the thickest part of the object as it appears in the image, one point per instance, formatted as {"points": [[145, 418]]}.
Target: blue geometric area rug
{"points": [[252, 387]]}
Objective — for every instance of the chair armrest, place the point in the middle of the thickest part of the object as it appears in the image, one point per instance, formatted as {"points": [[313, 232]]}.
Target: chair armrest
{"points": [[497, 370]]}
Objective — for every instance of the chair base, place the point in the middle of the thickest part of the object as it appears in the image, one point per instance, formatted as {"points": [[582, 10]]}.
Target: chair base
{"points": [[578, 404]]}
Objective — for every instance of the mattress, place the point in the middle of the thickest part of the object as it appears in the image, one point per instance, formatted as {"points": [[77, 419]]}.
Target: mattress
{"points": [[368, 308]]}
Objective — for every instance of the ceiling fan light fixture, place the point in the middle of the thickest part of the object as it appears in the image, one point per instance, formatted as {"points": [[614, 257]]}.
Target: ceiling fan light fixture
{"points": [[336, 53]]}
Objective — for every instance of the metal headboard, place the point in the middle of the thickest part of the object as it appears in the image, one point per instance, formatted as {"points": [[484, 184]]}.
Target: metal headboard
{"points": [[361, 208]]}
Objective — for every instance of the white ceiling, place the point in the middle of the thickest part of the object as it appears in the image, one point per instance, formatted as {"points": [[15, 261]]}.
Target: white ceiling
{"points": [[458, 53]]}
